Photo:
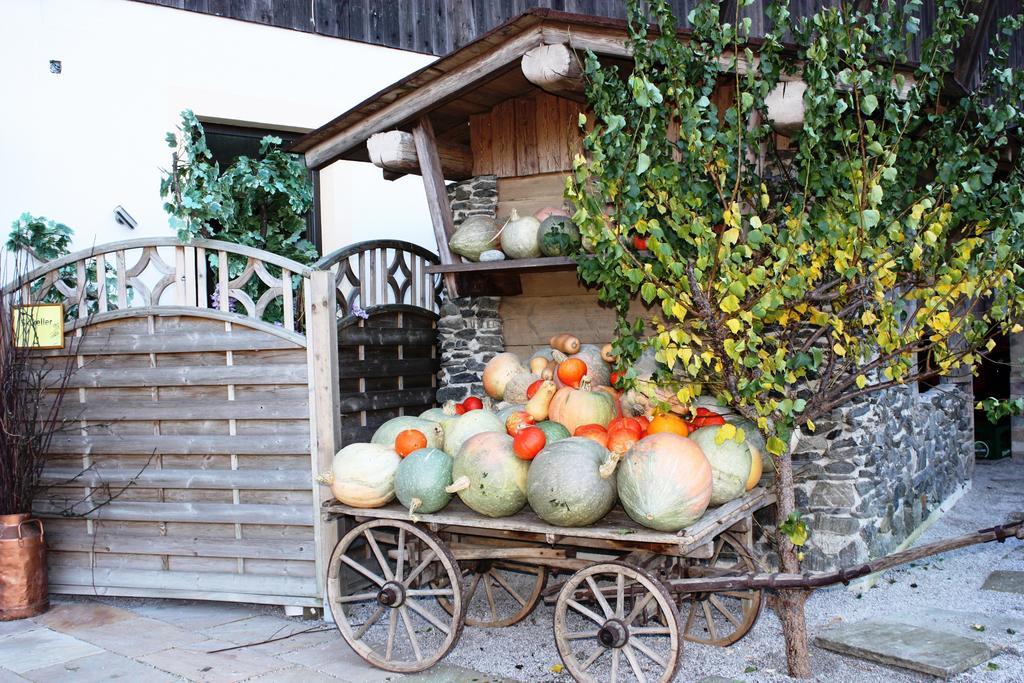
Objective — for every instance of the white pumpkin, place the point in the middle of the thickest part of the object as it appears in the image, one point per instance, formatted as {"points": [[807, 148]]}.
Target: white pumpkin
{"points": [[363, 475], [519, 237]]}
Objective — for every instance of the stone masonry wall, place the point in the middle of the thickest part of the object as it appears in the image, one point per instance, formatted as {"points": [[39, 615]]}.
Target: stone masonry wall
{"points": [[872, 474], [469, 330]]}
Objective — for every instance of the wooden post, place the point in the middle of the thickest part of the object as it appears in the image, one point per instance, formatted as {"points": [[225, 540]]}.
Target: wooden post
{"points": [[437, 196], [324, 401]]}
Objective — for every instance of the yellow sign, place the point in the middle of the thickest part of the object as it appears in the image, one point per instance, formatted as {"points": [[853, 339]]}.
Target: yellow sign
{"points": [[40, 326]]}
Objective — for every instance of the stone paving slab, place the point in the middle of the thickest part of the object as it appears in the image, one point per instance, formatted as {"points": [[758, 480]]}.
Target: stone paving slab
{"points": [[910, 647], [8, 628], [450, 673], [265, 627], [11, 677], [72, 617], [961, 621], [29, 650], [337, 659], [105, 666], [196, 663], [139, 636], [194, 615], [1005, 582], [294, 674]]}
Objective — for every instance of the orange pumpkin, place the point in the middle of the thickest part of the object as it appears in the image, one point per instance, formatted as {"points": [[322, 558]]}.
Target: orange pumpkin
{"points": [[528, 442], [664, 482], [409, 440], [668, 422], [755, 469], [630, 423], [572, 408], [571, 371], [594, 432], [621, 438], [532, 389], [518, 421]]}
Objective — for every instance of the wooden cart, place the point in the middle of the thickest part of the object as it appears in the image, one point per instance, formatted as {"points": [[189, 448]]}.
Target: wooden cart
{"points": [[401, 591]]}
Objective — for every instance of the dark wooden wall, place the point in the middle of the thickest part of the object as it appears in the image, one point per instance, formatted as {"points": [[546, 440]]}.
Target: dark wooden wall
{"points": [[441, 26]]}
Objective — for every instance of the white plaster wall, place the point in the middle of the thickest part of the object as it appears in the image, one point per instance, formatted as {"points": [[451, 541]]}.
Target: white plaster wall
{"points": [[75, 145]]}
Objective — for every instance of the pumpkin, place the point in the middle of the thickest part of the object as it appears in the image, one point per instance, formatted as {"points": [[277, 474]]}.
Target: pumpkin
{"points": [[664, 482], [488, 476], [553, 431], [519, 236], [573, 408], [498, 371], [474, 236], [540, 403], [436, 414], [755, 442], [566, 485], [630, 423], [528, 442], [517, 422], [668, 422], [552, 225], [508, 409], [565, 343], [548, 211], [755, 470], [421, 479], [730, 464], [621, 438], [363, 475], [462, 427], [389, 431], [571, 371], [595, 433], [408, 441], [600, 371], [515, 389]]}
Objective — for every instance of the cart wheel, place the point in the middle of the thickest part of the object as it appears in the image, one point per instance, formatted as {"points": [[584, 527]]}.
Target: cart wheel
{"points": [[601, 632], [500, 593], [380, 600], [724, 617]]}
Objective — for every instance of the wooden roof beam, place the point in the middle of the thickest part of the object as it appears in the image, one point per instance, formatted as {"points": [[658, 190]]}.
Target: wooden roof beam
{"points": [[395, 152], [556, 69]]}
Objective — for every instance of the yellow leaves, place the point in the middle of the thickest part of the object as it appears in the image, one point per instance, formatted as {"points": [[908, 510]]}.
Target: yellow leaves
{"points": [[734, 325], [991, 344], [810, 426], [730, 304], [867, 318], [725, 432], [1016, 329], [916, 212], [731, 236], [915, 255], [686, 354], [839, 349], [941, 322], [861, 381], [556, 668], [679, 311]]}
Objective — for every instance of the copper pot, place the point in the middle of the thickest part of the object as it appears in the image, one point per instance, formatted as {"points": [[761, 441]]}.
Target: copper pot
{"points": [[23, 585]]}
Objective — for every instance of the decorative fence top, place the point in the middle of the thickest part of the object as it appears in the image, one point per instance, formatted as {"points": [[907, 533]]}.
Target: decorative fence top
{"points": [[139, 274], [382, 272]]}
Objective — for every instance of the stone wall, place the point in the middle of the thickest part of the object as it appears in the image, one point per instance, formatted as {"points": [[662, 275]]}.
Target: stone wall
{"points": [[469, 330], [872, 474]]}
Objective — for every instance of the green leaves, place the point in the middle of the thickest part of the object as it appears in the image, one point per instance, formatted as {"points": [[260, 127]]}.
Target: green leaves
{"points": [[795, 529], [868, 104]]}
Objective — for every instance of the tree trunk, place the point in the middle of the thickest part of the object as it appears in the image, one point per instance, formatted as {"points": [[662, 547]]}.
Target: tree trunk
{"points": [[789, 603]]}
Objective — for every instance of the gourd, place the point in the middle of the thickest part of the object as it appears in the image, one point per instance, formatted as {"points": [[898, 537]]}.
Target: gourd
{"points": [[566, 485], [436, 414], [573, 408], [566, 343], [553, 431], [507, 410], [556, 224], [608, 353], [462, 427], [421, 479], [498, 371], [515, 389], [519, 237], [730, 464], [755, 442], [389, 431], [664, 482], [598, 368], [474, 236], [363, 475], [488, 476], [539, 404]]}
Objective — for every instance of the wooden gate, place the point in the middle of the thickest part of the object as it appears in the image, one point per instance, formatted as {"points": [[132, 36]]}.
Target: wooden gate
{"points": [[386, 334], [185, 467]]}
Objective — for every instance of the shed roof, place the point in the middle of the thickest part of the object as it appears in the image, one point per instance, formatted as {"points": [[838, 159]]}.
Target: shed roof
{"points": [[468, 81]]}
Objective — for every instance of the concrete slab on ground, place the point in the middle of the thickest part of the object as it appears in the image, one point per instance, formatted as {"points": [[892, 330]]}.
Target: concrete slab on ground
{"points": [[41, 647], [963, 622], [449, 673], [257, 629], [100, 668], [139, 636], [337, 659], [196, 663], [1005, 582], [911, 647], [194, 615]]}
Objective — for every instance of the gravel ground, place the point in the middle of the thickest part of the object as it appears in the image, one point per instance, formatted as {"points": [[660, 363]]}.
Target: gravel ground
{"points": [[951, 582]]}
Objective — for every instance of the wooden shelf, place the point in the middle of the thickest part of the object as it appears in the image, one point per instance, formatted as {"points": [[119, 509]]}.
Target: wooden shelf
{"points": [[507, 266]]}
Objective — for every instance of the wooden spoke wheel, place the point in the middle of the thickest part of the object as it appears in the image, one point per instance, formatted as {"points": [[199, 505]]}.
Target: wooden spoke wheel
{"points": [[499, 593], [614, 622], [378, 590], [724, 617]]}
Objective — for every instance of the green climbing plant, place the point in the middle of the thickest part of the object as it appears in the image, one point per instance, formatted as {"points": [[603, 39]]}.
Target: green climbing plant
{"points": [[786, 277]]}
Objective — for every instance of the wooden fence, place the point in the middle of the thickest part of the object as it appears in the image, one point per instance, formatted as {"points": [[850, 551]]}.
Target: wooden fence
{"points": [[205, 397], [386, 333]]}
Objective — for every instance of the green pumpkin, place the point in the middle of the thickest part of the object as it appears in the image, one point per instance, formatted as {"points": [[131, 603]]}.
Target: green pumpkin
{"points": [[730, 464], [557, 224], [461, 427], [421, 480], [565, 486], [488, 476], [553, 431], [389, 431]]}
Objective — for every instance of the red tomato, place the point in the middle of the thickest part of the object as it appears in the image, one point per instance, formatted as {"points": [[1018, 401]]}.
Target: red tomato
{"points": [[616, 376], [532, 389], [459, 409], [639, 243], [706, 418], [472, 403], [594, 432], [529, 442]]}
